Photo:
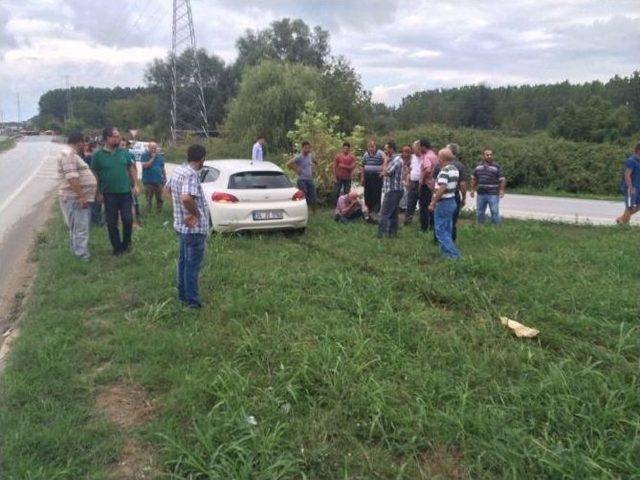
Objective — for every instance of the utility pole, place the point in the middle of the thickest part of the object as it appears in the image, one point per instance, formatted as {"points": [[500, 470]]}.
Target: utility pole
{"points": [[18, 103], [188, 108], [69, 107]]}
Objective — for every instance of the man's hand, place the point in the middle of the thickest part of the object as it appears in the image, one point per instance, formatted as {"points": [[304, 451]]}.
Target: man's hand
{"points": [[502, 194], [99, 197], [432, 207], [472, 193], [134, 190], [190, 221], [84, 203]]}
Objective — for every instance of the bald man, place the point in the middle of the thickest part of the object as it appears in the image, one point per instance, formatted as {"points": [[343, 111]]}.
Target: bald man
{"points": [[444, 205], [154, 175]]}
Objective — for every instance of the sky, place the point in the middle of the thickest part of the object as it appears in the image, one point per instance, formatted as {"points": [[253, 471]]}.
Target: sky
{"points": [[397, 46]]}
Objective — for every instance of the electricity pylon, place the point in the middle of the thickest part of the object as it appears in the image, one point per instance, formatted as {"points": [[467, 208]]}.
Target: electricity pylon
{"points": [[188, 108]]}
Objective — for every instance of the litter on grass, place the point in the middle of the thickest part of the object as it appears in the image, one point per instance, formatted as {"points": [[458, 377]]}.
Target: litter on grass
{"points": [[251, 420], [519, 329]]}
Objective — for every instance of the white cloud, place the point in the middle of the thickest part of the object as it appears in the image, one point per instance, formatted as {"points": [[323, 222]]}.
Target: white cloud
{"points": [[397, 46]]}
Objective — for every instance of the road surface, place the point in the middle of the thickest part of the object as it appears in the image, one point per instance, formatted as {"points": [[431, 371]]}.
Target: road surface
{"points": [[27, 182], [569, 210]]}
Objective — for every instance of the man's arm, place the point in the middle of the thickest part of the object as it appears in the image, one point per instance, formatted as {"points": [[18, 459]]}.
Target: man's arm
{"points": [[474, 185], [74, 184], [133, 176], [147, 164], [292, 165], [436, 197], [503, 184], [628, 181], [463, 191]]}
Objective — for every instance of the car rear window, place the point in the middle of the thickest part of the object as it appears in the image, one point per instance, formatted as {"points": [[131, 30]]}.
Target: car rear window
{"points": [[250, 180]]}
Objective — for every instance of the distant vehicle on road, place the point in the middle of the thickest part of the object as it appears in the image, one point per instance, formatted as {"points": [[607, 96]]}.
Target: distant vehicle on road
{"points": [[245, 196]]}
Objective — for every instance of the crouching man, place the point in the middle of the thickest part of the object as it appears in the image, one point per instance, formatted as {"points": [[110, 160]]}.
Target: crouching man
{"points": [[191, 223], [348, 208]]}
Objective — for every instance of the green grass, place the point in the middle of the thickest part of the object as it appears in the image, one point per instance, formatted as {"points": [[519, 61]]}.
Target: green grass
{"points": [[7, 144], [358, 358]]}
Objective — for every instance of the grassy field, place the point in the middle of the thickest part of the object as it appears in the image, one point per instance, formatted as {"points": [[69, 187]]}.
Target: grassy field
{"points": [[331, 355], [6, 144]]}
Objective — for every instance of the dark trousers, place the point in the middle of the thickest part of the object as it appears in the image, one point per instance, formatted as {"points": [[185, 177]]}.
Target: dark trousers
{"points": [[372, 191], [413, 193], [152, 190], [355, 215], [388, 222], [192, 247], [118, 204], [424, 199], [96, 213], [342, 187]]}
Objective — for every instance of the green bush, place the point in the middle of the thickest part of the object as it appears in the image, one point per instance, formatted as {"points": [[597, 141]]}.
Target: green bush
{"points": [[535, 161]]}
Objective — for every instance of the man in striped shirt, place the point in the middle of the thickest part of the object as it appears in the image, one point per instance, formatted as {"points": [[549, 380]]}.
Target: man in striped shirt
{"points": [[444, 204], [489, 180], [371, 177], [392, 189], [77, 187]]}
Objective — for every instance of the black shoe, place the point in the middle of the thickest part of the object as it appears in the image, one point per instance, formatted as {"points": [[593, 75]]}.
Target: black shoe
{"points": [[194, 305]]}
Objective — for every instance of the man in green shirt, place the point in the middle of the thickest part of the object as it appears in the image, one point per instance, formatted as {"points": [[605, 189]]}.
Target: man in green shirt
{"points": [[116, 175]]}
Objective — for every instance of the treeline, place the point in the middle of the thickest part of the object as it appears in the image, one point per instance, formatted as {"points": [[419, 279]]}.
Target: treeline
{"points": [[594, 111], [535, 161], [277, 70]]}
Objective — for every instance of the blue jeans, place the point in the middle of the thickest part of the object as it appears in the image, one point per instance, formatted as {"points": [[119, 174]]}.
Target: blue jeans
{"points": [[309, 189], [445, 211], [493, 201], [192, 247], [118, 204], [77, 220]]}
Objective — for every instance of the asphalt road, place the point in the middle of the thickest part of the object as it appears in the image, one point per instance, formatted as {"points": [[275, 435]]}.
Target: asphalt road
{"points": [[568, 210], [27, 182]]}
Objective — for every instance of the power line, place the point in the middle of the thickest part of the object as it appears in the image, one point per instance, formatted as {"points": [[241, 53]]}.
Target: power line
{"points": [[69, 106], [188, 108]]}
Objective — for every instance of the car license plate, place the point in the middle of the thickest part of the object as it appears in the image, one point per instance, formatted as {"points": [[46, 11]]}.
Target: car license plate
{"points": [[267, 215]]}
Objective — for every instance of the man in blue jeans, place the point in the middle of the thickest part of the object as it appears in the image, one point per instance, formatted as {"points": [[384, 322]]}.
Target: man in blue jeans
{"points": [[489, 181], [191, 223], [444, 205], [117, 180]]}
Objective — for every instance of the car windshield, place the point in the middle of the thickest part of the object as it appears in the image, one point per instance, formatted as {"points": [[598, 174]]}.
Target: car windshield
{"points": [[250, 180]]}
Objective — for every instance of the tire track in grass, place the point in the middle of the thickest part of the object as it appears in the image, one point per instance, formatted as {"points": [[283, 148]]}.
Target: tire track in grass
{"points": [[554, 341]]}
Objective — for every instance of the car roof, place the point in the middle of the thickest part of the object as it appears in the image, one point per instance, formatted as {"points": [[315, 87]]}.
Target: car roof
{"points": [[234, 165]]}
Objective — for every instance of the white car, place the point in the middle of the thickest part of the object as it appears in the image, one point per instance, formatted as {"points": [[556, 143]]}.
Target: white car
{"points": [[138, 148], [243, 195]]}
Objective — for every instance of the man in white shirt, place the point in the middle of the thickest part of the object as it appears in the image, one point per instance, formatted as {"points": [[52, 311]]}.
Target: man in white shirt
{"points": [[257, 153], [412, 183]]}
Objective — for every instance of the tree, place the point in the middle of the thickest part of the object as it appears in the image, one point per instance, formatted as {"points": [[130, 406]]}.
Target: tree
{"points": [[136, 112], [287, 40], [320, 129], [217, 79], [271, 97], [344, 94]]}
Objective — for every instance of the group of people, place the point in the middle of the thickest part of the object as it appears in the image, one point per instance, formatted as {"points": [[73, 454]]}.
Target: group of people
{"points": [[105, 175], [416, 177], [96, 175]]}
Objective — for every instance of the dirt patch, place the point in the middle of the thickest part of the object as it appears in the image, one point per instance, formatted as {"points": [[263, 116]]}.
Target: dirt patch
{"points": [[443, 463], [135, 463], [125, 405]]}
